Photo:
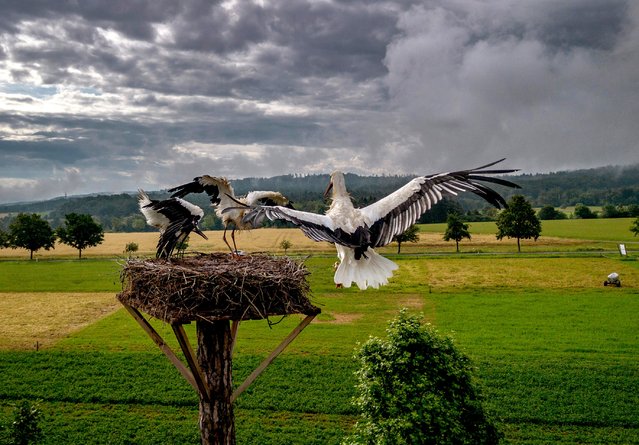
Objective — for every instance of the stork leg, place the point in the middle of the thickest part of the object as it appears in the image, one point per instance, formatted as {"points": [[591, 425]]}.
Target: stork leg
{"points": [[233, 238], [226, 242]]}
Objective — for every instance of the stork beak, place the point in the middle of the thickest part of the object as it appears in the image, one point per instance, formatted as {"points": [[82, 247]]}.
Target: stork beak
{"points": [[328, 188], [197, 230]]}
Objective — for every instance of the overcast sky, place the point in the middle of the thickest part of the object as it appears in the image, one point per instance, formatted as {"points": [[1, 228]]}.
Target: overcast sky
{"points": [[107, 96]]}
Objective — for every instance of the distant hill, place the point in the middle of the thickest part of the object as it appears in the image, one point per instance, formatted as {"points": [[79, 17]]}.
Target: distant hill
{"points": [[594, 187]]}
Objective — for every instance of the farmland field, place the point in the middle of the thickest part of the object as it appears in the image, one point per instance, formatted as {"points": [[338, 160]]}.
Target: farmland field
{"points": [[557, 354], [573, 235]]}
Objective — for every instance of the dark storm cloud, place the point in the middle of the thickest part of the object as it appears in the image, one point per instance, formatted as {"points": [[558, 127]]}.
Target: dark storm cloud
{"points": [[518, 79], [144, 93]]}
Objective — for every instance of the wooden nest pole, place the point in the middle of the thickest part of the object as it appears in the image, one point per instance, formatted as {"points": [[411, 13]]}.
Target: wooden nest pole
{"points": [[216, 291], [217, 422]]}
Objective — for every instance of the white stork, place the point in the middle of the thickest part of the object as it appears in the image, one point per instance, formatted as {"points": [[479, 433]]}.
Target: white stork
{"points": [[355, 232], [228, 207], [175, 217]]}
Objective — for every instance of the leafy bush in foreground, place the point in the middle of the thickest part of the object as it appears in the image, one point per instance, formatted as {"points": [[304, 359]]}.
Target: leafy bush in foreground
{"points": [[416, 388], [25, 428]]}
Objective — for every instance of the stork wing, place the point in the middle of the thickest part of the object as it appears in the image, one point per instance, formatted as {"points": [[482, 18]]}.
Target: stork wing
{"points": [[395, 213], [180, 216], [268, 198], [316, 227], [211, 185]]}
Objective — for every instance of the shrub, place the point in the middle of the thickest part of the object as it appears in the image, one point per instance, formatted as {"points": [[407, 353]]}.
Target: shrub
{"points": [[131, 248], [584, 212], [24, 429], [550, 213], [415, 387]]}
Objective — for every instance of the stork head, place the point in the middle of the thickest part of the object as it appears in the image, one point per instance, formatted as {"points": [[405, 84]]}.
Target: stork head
{"points": [[336, 185], [196, 216], [196, 229]]}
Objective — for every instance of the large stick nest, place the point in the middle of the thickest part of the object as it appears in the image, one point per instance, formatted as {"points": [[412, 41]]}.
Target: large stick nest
{"points": [[216, 287]]}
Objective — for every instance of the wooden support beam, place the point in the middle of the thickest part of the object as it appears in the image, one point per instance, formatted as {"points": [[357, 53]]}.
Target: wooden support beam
{"points": [[191, 359], [146, 326], [267, 361]]}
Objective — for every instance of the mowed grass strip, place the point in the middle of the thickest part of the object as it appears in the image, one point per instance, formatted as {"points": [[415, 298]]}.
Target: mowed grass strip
{"points": [[30, 318], [60, 276]]}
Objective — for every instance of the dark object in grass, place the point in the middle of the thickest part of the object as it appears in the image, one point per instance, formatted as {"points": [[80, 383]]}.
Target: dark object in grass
{"points": [[613, 280], [216, 287]]}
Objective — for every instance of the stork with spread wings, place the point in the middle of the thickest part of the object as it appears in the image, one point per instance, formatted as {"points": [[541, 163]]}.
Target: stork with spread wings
{"points": [[356, 232]]}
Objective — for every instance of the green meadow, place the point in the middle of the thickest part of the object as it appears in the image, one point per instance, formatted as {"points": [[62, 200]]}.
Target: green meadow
{"points": [[612, 229], [556, 353]]}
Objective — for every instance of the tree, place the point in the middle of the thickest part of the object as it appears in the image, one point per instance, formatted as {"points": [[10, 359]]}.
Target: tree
{"points": [[411, 235], [80, 231], [415, 387], [519, 221], [635, 227], [285, 244], [456, 229], [584, 212], [4, 239], [31, 232], [549, 213]]}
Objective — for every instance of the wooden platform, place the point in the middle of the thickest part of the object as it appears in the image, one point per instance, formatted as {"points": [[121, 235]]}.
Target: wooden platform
{"points": [[217, 291]]}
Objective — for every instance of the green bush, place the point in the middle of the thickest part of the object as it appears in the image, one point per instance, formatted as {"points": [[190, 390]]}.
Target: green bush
{"points": [[25, 428], [415, 387], [131, 248]]}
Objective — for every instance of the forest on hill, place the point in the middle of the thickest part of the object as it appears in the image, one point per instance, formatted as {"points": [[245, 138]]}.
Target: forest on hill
{"points": [[604, 186]]}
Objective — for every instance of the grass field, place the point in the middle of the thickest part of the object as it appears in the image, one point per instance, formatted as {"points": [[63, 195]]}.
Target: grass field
{"points": [[557, 354], [614, 229]]}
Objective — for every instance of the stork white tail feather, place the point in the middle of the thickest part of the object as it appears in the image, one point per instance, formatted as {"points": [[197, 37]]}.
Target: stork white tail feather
{"points": [[371, 271]]}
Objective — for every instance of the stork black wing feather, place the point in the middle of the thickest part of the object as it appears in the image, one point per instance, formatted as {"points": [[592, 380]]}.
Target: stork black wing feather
{"points": [[182, 190], [499, 181], [198, 185]]}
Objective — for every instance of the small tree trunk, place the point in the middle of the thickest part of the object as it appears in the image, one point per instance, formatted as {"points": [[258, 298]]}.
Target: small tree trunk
{"points": [[457, 245], [79, 254], [30, 254], [399, 247], [217, 422], [518, 246]]}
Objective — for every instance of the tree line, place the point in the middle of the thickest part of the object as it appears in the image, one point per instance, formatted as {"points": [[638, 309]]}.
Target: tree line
{"points": [[518, 220], [614, 189]]}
